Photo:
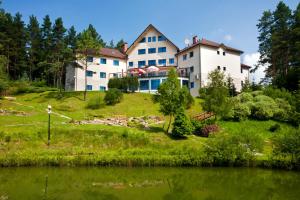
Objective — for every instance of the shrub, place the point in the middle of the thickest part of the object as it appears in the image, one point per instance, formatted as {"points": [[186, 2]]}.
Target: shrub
{"points": [[256, 93], [113, 96], [283, 111], [274, 128], [208, 129], [197, 126], [181, 125], [263, 108], [279, 93], [94, 103], [241, 111], [245, 97], [124, 84]]}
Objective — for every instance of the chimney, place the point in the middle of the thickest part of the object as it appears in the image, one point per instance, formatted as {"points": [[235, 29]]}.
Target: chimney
{"points": [[195, 39], [124, 47]]}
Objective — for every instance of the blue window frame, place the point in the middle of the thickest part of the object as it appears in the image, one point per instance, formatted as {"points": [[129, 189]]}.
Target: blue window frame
{"points": [[143, 40], [89, 73], [184, 57], [149, 39], [171, 61], [102, 75], [116, 63], [154, 39], [155, 84], [89, 87], [141, 63], [141, 51], [151, 50], [144, 84], [102, 88], [162, 62], [89, 59], [130, 64], [192, 84], [151, 62], [103, 61], [161, 38], [162, 49]]}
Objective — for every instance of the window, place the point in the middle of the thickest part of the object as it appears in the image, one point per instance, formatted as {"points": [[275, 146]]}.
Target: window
{"points": [[130, 64], [224, 53], [155, 84], [115, 75], [141, 63], [218, 52], [184, 57], [102, 75], [116, 62], [102, 60], [191, 54], [219, 68], [151, 50], [151, 62], [141, 51], [154, 39], [149, 39], [162, 49], [161, 38], [102, 88], [171, 61], [144, 84], [143, 40], [192, 69], [224, 68], [89, 87], [185, 83], [241, 70], [89, 59], [192, 85], [162, 62], [89, 73]]}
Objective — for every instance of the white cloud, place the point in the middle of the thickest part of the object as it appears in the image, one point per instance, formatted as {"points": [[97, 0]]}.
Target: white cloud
{"points": [[251, 59], [228, 38]]}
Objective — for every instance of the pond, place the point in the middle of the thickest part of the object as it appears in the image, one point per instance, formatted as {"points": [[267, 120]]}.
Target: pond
{"points": [[148, 183]]}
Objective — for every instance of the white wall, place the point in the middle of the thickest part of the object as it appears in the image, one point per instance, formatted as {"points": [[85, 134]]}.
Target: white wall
{"points": [[134, 57], [208, 59], [96, 67]]}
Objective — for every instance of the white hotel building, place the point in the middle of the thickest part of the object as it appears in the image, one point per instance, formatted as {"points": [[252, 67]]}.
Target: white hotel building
{"points": [[152, 49]]}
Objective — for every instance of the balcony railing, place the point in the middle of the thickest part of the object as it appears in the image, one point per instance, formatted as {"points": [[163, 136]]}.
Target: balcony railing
{"points": [[159, 74]]}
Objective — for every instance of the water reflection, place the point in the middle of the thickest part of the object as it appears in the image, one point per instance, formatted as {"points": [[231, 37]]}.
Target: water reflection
{"points": [[147, 183]]}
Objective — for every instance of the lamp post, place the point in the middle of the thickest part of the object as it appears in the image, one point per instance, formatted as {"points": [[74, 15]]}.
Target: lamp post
{"points": [[49, 113]]}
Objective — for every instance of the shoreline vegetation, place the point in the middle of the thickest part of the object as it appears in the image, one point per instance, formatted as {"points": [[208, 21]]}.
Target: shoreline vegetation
{"points": [[23, 136]]}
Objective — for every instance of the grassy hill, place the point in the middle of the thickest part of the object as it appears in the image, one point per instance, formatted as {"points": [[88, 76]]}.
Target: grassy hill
{"points": [[23, 133]]}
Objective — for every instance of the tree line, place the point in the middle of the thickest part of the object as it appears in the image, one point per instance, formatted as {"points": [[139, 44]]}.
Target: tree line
{"points": [[279, 46], [40, 51]]}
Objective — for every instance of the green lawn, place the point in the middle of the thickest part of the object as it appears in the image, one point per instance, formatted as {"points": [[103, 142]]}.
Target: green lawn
{"points": [[23, 133]]}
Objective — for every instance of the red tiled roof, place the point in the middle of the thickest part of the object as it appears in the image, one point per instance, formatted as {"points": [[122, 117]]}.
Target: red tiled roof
{"points": [[245, 66], [108, 52], [211, 44]]}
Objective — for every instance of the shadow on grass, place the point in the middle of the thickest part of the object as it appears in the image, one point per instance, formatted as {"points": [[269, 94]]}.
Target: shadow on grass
{"points": [[64, 95]]}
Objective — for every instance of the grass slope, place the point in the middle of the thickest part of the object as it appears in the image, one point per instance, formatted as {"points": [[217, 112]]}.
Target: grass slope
{"points": [[23, 138]]}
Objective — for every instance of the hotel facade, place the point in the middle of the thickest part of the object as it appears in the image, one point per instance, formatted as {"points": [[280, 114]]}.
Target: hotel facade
{"points": [[151, 56]]}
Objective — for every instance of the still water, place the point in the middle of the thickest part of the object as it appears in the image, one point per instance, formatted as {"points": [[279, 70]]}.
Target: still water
{"points": [[148, 183]]}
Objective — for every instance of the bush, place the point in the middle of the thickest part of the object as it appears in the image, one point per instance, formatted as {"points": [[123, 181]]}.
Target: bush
{"points": [[256, 93], [197, 126], [245, 97], [283, 111], [264, 107], [208, 129], [182, 125], [124, 84], [238, 149], [113, 96], [94, 103], [274, 128], [241, 111]]}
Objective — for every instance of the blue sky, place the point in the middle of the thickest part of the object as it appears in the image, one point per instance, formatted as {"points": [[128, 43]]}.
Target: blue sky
{"points": [[232, 22]]}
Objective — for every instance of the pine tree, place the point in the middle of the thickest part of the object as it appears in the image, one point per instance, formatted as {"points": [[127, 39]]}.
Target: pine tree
{"points": [[35, 44], [47, 38], [71, 38], [119, 45], [95, 35]]}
